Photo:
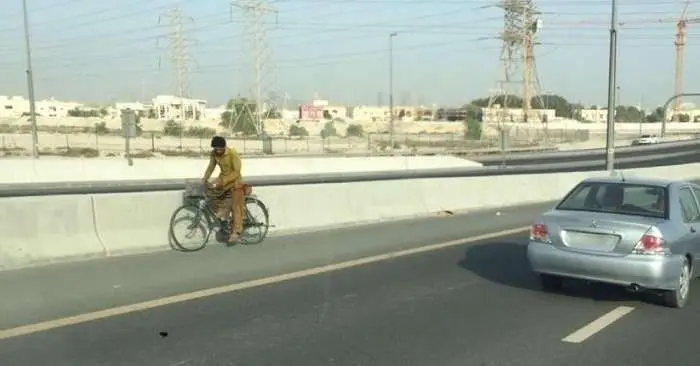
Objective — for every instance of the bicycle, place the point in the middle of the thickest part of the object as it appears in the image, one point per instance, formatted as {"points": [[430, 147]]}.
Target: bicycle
{"points": [[202, 217]]}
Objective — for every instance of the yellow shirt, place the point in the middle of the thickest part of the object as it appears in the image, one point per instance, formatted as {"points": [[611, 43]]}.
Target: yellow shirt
{"points": [[229, 165]]}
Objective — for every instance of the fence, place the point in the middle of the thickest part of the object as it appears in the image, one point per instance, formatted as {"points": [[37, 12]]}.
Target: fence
{"points": [[148, 144]]}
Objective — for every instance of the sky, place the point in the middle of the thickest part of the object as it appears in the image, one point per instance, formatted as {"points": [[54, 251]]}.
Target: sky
{"points": [[446, 52]]}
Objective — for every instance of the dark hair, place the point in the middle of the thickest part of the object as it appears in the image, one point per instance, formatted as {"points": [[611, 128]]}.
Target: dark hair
{"points": [[218, 141]]}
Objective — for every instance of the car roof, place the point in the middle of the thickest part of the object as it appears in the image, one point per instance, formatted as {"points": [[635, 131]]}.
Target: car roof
{"points": [[659, 182]]}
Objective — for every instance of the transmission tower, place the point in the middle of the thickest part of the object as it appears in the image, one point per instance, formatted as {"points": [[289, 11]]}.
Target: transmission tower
{"points": [[517, 54], [179, 58], [256, 13], [178, 42]]}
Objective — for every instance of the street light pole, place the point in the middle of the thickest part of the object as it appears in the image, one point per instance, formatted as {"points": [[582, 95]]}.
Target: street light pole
{"points": [[391, 89], [30, 84], [612, 86]]}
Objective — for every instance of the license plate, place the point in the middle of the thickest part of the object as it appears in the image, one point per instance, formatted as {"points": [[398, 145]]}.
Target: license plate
{"points": [[590, 241]]}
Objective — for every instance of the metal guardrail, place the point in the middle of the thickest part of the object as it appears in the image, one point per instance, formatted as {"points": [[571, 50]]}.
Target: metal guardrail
{"points": [[589, 154], [636, 157], [426, 151]]}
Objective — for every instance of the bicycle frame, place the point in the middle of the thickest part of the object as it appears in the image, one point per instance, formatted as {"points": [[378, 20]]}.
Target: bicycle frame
{"points": [[205, 206]]}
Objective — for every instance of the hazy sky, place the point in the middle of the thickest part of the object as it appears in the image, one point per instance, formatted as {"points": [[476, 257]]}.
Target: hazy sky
{"points": [[446, 51]]}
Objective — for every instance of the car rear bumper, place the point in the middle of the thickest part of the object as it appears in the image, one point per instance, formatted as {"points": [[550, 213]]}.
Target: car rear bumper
{"points": [[652, 272]]}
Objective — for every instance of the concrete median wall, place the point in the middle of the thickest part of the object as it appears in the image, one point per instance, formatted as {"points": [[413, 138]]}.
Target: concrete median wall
{"points": [[134, 223], [39, 230], [47, 229]]}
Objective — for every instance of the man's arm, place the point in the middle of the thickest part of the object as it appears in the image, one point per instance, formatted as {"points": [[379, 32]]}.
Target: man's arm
{"points": [[210, 169]]}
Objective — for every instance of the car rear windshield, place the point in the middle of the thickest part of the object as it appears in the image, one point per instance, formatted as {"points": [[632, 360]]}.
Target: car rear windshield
{"points": [[618, 198]]}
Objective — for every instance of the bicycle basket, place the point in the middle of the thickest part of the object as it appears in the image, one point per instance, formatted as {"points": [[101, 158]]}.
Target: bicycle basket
{"points": [[195, 188]]}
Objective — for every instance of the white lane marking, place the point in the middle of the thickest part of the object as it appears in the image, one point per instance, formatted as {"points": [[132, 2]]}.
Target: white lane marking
{"points": [[121, 310], [597, 325]]}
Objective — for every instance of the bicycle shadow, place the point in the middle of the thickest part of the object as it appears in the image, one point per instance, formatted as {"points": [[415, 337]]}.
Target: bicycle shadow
{"points": [[505, 263]]}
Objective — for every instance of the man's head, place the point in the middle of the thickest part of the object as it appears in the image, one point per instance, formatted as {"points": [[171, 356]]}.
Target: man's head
{"points": [[218, 143]]}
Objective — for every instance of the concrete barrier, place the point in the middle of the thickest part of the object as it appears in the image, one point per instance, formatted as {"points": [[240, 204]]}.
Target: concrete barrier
{"points": [[55, 228], [38, 230], [134, 223]]}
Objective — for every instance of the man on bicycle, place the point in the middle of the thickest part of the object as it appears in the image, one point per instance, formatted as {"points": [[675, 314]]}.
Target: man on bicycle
{"points": [[228, 184]]}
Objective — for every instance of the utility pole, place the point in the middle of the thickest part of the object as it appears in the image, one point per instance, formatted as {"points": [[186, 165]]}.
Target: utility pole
{"points": [[256, 12], [391, 89], [642, 113], [612, 84], [30, 84], [179, 58]]}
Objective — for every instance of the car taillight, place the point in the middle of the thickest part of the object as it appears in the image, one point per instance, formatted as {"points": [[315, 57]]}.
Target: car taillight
{"points": [[539, 232], [650, 244]]}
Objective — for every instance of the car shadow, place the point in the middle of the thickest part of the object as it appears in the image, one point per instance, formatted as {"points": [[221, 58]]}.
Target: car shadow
{"points": [[505, 263]]}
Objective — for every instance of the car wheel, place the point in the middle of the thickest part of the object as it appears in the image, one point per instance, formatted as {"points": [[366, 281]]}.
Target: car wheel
{"points": [[551, 283], [678, 298]]}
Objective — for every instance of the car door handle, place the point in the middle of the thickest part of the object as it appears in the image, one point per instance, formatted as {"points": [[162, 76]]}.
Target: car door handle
{"points": [[692, 229]]}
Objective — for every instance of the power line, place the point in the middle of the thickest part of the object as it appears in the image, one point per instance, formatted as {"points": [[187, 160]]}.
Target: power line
{"points": [[335, 27], [555, 37]]}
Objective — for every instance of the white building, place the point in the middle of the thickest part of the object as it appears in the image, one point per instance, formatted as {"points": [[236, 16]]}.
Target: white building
{"points": [[13, 106], [214, 114], [55, 108], [52, 108], [169, 107], [498, 114], [134, 106], [597, 115], [370, 113]]}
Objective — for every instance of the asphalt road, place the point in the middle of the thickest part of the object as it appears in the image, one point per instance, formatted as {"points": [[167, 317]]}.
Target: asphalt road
{"points": [[469, 304]]}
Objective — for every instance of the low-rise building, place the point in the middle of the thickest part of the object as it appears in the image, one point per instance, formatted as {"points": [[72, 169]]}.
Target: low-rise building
{"points": [[169, 107], [597, 115], [497, 114], [13, 106], [16, 106]]}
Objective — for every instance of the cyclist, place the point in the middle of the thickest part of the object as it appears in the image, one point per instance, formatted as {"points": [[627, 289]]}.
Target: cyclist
{"points": [[229, 183]]}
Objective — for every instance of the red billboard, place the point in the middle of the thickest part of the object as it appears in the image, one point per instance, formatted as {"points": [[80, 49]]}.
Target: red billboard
{"points": [[310, 112]]}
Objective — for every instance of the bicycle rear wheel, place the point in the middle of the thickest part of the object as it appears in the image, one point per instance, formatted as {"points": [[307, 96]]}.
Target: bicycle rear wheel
{"points": [[255, 221], [195, 225]]}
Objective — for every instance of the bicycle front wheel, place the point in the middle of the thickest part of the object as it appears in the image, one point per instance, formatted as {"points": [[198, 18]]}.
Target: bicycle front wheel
{"points": [[189, 228], [255, 221]]}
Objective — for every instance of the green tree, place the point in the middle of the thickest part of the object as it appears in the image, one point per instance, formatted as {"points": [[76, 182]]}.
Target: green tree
{"points": [[239, 116], [101, 128], [329, 130], [656, 116], [298, 131], [139, 128], [172, 128], [201, 132], [558, 103], [512, 101], [273, 113], [75, 112], [473, 112], [354, 130], [561, 106], [627, 114], [472, 121]]}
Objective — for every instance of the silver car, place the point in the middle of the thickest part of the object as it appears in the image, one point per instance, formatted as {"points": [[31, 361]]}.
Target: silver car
{"points": [[639, 233]]}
